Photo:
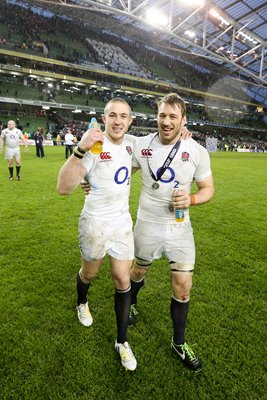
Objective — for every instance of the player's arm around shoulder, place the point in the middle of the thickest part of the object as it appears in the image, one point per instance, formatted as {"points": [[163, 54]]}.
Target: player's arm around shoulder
{"points": [[185, 133]]}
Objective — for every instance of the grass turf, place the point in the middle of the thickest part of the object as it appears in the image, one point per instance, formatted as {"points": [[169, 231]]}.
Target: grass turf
{"points": [[47, 354]]}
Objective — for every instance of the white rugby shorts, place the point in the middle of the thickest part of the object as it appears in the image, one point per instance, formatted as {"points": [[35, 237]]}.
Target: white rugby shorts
{"points": [[175, 241], [113, 237], [12, 153]]}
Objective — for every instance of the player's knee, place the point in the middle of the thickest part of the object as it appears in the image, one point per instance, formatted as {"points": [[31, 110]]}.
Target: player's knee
{"points": [[181, 293], [139, 269], [121, 280], [86, 275], [181, 286], [121, 283], [137, 273]]}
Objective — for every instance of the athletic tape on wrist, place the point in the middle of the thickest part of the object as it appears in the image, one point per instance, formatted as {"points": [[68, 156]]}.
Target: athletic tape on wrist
{"points": [[193, 201], [77, 155], [80, 150]]}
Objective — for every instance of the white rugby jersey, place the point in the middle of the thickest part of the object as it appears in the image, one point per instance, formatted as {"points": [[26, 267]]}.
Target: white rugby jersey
{"points": [[190, 163], [11, 137], [109, 175], [69, 139]]}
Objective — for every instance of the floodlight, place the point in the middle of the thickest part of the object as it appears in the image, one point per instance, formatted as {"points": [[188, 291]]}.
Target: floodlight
{"points": [[214, 13], [190, 34], [156, 17]]}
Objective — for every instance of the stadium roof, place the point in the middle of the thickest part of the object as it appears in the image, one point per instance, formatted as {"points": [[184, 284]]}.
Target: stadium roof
{"points": [[228, 34]]}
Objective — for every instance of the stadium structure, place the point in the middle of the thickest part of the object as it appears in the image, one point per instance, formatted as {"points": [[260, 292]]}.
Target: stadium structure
{"points": [[62, 59]]}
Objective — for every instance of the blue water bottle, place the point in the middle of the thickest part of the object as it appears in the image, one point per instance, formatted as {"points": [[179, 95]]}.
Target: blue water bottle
{"points": [[179, 215]]}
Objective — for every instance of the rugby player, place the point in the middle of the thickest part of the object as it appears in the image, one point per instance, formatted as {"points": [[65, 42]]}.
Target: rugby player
{"points": [[105, 225], [169, 166], [11, 137]]}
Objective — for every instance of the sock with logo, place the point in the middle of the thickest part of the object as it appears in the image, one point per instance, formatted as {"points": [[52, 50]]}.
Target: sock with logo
{"points": [[18, 169]]}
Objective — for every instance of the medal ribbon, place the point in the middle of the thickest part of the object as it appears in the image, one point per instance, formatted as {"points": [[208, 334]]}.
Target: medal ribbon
{"points": [[167, 162]]}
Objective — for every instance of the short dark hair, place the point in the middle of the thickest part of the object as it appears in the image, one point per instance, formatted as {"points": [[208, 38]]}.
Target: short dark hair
{"points": [[173, 99]]}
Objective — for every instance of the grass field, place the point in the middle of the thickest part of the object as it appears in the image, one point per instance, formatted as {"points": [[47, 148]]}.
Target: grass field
{"points": [[47, 354]]}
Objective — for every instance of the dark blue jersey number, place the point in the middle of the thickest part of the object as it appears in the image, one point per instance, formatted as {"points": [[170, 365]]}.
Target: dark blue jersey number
{"points": [[171, 178], [121, 176]]}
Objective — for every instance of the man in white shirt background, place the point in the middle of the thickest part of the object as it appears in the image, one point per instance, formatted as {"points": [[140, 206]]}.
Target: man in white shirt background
{"points": [[68, 143]]}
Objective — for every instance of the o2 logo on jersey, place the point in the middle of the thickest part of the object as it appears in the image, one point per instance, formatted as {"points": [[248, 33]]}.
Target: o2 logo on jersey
{"points": [[170, 178], [121, 176]]}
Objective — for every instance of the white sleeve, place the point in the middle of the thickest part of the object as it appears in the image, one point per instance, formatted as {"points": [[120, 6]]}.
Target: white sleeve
{"points": [[135, 162], [88, 161], [203, 169]]}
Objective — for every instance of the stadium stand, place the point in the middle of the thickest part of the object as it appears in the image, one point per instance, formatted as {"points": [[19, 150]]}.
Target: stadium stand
{"points": [[100, 65]]}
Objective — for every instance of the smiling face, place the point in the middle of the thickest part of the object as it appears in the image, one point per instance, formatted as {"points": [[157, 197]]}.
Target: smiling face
{"points": [[170, 122], [171, 118], [117, 119]]}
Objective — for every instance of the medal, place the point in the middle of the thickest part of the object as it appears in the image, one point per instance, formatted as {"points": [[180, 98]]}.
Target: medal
{"points": [[166, 164]]}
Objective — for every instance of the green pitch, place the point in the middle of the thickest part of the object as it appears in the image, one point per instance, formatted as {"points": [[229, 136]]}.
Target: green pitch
{"points": [[47, 354]]}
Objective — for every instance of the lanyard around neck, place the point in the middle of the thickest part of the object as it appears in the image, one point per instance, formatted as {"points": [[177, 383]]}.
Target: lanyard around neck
{"points": [[167, 162]]}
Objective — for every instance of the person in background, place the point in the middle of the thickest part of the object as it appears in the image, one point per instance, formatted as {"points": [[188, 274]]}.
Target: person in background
{"points": [[11, 136], [58, 139], [68, 143], [49, 135], [38, 138]]}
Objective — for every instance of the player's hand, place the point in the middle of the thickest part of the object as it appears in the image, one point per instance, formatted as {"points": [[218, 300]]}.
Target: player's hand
{"points": [[85, 187], [185, 133], [90, 137], [180, 199]]}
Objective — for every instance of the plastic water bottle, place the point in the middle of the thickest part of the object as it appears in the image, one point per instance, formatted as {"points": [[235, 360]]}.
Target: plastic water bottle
{"points": [[179, 215], [97, 148]]}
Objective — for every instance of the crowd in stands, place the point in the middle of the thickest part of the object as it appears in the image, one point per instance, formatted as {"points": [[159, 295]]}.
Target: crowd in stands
{"points": [[232, 143], [56, 128], [116, 60], [115, 53], [112, 51]]}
